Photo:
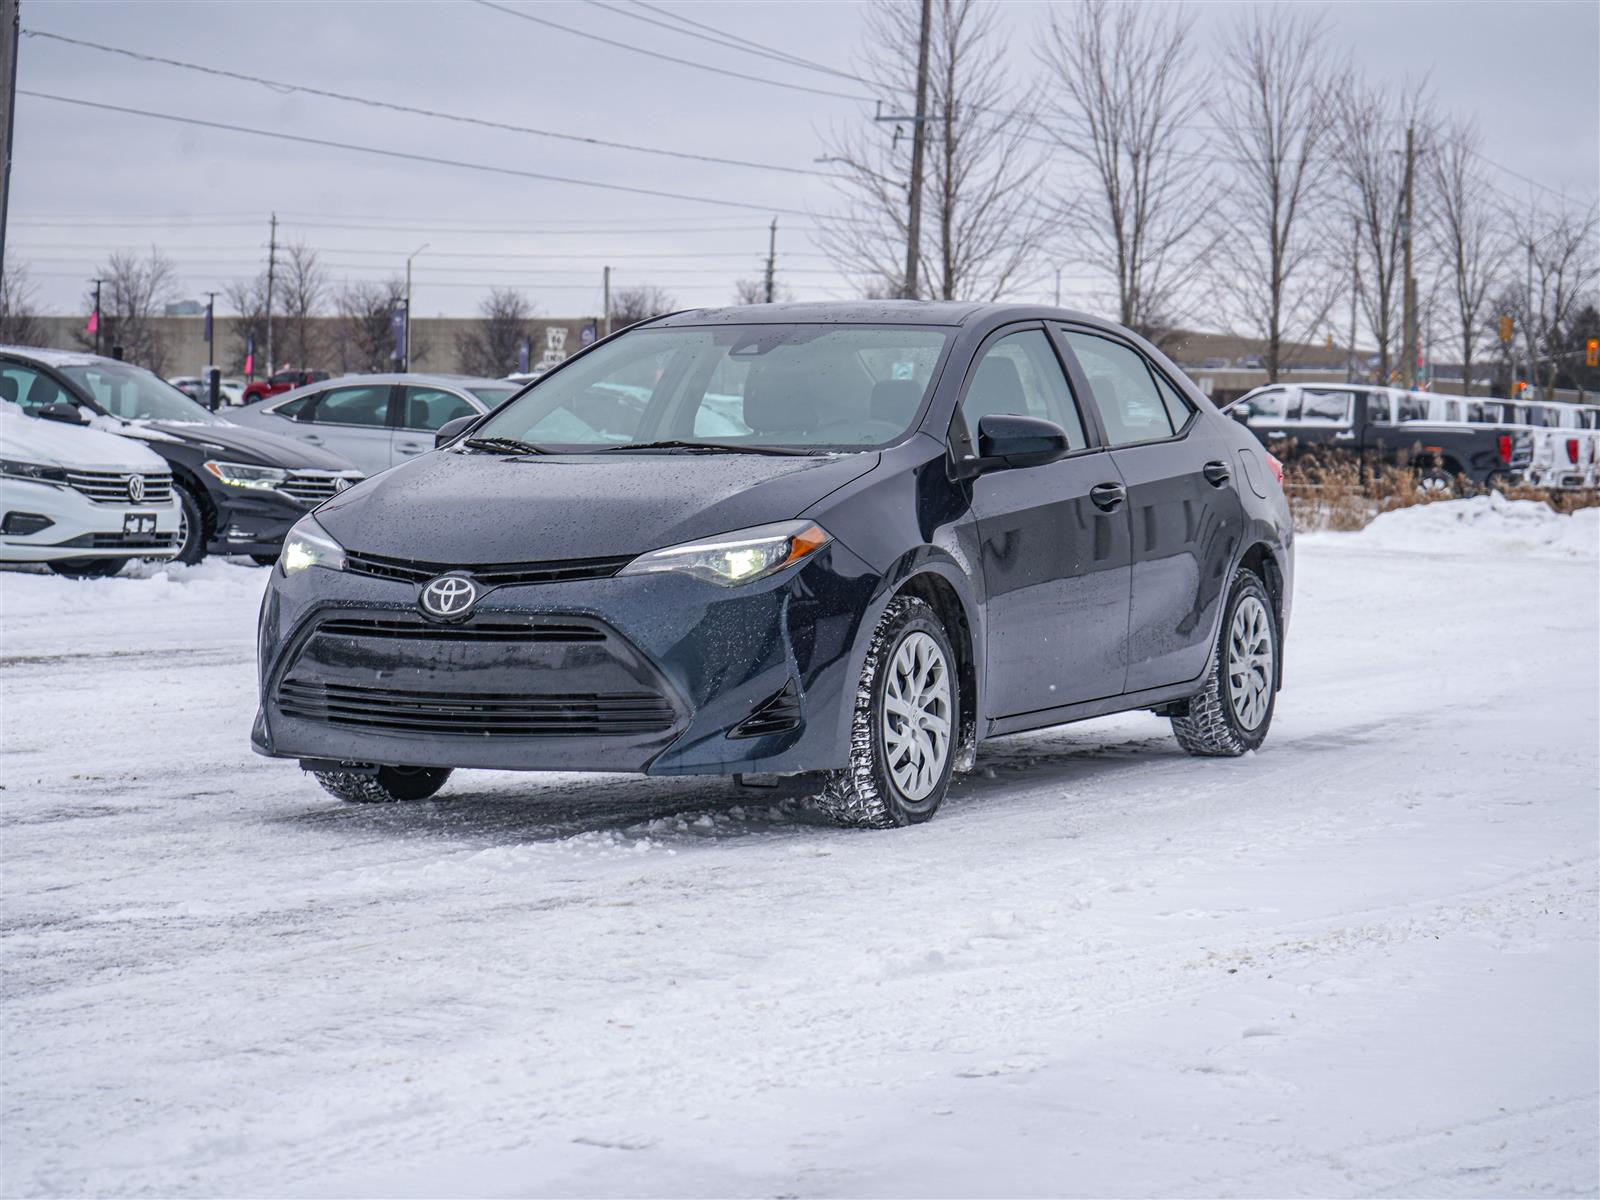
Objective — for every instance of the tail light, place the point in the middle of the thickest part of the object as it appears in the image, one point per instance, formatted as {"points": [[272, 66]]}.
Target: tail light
{"points": [[1275, 466], [1505, 448], [1572, 451]]}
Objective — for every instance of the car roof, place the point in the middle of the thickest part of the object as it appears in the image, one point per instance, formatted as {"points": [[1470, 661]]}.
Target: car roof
{"points": [[442, 380], [61, 358], [872, 312]]}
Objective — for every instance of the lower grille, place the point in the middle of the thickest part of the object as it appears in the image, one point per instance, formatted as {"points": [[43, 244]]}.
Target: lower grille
{"points": [[493, 574], [487, 714], [111, 487], [403, 629], [122, 541]]}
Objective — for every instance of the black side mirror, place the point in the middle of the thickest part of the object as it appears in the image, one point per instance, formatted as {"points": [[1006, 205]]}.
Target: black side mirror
{"points": [[67, 414], [1008, 441], [451, 430]]}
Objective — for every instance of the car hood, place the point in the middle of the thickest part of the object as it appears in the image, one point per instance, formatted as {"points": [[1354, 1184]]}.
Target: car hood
{"points": [[34, 439], [243, 444], [451, 507]]}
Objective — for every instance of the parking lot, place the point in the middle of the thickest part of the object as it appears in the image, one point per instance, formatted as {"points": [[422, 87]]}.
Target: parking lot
{"points": [[1360, 961]]}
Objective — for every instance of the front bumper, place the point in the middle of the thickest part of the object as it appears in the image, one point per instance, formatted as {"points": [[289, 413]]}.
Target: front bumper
{"points": [[255, 521], [647, 673], [80, 527]]}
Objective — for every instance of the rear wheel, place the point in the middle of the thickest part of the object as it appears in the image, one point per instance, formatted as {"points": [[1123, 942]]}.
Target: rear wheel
{"points": [[191, 528], [89, 568], [1436, 481], [907, 714], [1234, 711], [388, 785]]}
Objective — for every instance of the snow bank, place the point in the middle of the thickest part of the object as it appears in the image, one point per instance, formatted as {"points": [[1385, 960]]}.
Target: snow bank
{"points": [[1483, 524]]}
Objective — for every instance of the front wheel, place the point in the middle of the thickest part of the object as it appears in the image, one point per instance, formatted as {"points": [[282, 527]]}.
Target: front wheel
{"points": [[387, 786], [907, 715], [89, 568], [1234, 711], [191, 528]]}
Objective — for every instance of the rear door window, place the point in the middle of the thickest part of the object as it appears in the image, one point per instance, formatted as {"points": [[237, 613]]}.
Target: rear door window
{"points": [[1327, 407], [366, 405], [1411, 408]]}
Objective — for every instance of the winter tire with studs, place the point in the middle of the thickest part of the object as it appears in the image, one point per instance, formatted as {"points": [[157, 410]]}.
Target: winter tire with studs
{"points": [[1234, 711], [389, 785]]}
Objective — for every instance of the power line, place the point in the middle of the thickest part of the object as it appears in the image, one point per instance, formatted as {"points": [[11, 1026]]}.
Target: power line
{"points": [[796, 59], [592, 256], [411, 157], [282, 87], [685, 62]]}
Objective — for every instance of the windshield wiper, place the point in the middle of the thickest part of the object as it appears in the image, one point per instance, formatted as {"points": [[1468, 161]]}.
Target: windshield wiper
{"points": [[503, 445], [705, 447]]}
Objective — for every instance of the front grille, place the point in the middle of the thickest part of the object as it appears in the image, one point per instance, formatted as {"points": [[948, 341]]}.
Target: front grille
{"points": [[111, 487], [493, 574], [122, 541], [481, 714], [313, 487], [404, 629]]}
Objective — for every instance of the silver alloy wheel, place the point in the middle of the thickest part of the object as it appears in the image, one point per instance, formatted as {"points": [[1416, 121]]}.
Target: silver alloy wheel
{"points": [[1250, 662], [916, 716]]}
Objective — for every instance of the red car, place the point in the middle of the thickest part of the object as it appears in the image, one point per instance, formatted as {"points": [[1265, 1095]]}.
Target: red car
{"points": [[280, 381]]}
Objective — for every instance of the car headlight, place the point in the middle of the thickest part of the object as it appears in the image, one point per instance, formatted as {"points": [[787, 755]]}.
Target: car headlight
{"points": [[33, 472], [734, 558], [310, 545], [243, 475]]}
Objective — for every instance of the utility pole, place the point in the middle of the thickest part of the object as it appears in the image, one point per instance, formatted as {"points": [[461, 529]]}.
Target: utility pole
{"points": [[1527, 323], [606, 285], [10, 34], [1355, 288], [772, 256], [98, 320], [919, 122], [406, 365], [1409, 335], [272, 271]]}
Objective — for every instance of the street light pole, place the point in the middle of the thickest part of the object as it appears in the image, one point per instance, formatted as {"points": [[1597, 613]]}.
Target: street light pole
{"points": [[406, 366]]}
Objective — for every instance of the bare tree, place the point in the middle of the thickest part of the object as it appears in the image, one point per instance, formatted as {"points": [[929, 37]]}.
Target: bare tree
{"points": [[1121, 85], [1463, 236], [490, 347], [303, 287], [754, 291], [135, 291], [365, 329], [982, 225], [248, 299], [1370, 152], [1563, 262], [19, 323], [639, 304], [1275, 110]]}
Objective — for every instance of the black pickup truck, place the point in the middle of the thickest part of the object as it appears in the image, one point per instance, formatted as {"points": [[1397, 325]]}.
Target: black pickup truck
{"points": [[1445, 439]]}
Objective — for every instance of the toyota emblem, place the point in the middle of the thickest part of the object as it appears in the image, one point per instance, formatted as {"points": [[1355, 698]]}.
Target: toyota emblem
{"points": [[449, 596], [135, 488]]}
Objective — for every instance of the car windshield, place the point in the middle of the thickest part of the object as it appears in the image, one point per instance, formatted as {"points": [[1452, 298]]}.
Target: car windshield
{"points": [[492, 395], [844, 387], [136, 395]]}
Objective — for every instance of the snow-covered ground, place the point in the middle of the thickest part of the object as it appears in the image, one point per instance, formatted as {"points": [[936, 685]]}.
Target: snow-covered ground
{"points": [[1362, 961]]}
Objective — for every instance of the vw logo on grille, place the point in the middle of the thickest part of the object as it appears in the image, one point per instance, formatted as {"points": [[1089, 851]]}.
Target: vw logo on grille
{"points": [[135, 488], [341, 483], [449, 596]]}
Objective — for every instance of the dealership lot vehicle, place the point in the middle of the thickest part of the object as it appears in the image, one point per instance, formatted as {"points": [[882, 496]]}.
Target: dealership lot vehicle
{"points": [[376, 421], [934, 523], [1444, 439], [82, 501], [239, 490], [280, 381]]}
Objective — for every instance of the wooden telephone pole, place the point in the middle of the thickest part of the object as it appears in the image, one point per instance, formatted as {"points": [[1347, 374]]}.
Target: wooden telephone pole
{"points": [[919, 123]]}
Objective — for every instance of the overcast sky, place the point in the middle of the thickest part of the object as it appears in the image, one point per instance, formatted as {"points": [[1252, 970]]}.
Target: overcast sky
{"points": [[88, 182]]}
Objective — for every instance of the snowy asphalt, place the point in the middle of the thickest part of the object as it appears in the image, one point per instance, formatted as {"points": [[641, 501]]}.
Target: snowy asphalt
{"points": [[1362, 961]]}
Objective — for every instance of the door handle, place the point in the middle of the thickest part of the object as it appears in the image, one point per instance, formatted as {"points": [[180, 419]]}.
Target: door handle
{"points": [[1108, 497], [1216, 473], [411, 448], [1346, 436], [313, 439]]}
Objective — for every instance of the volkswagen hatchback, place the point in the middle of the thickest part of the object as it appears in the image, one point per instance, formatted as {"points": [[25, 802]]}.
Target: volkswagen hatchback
{"points": [[832, 546]]}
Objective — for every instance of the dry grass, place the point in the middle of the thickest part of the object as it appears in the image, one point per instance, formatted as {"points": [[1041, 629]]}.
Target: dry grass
{"points": [[1332, 492]]}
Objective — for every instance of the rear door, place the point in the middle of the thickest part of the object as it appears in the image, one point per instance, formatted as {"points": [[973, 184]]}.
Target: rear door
{"points": [[419, 413], [1183, 514], [353, 422], [1055, 563]]}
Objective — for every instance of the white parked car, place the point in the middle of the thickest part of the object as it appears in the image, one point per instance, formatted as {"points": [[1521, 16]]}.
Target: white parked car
{"points": [[375, 421], [82, 501]]}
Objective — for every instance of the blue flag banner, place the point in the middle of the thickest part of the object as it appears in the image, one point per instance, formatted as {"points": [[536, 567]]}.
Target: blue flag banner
{"points": [[522, 357], [397, 323], [586, 335], [209, 307]]}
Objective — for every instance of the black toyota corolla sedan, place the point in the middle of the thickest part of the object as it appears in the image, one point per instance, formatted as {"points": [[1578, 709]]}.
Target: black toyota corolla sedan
{"points": [[825, 547]]}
